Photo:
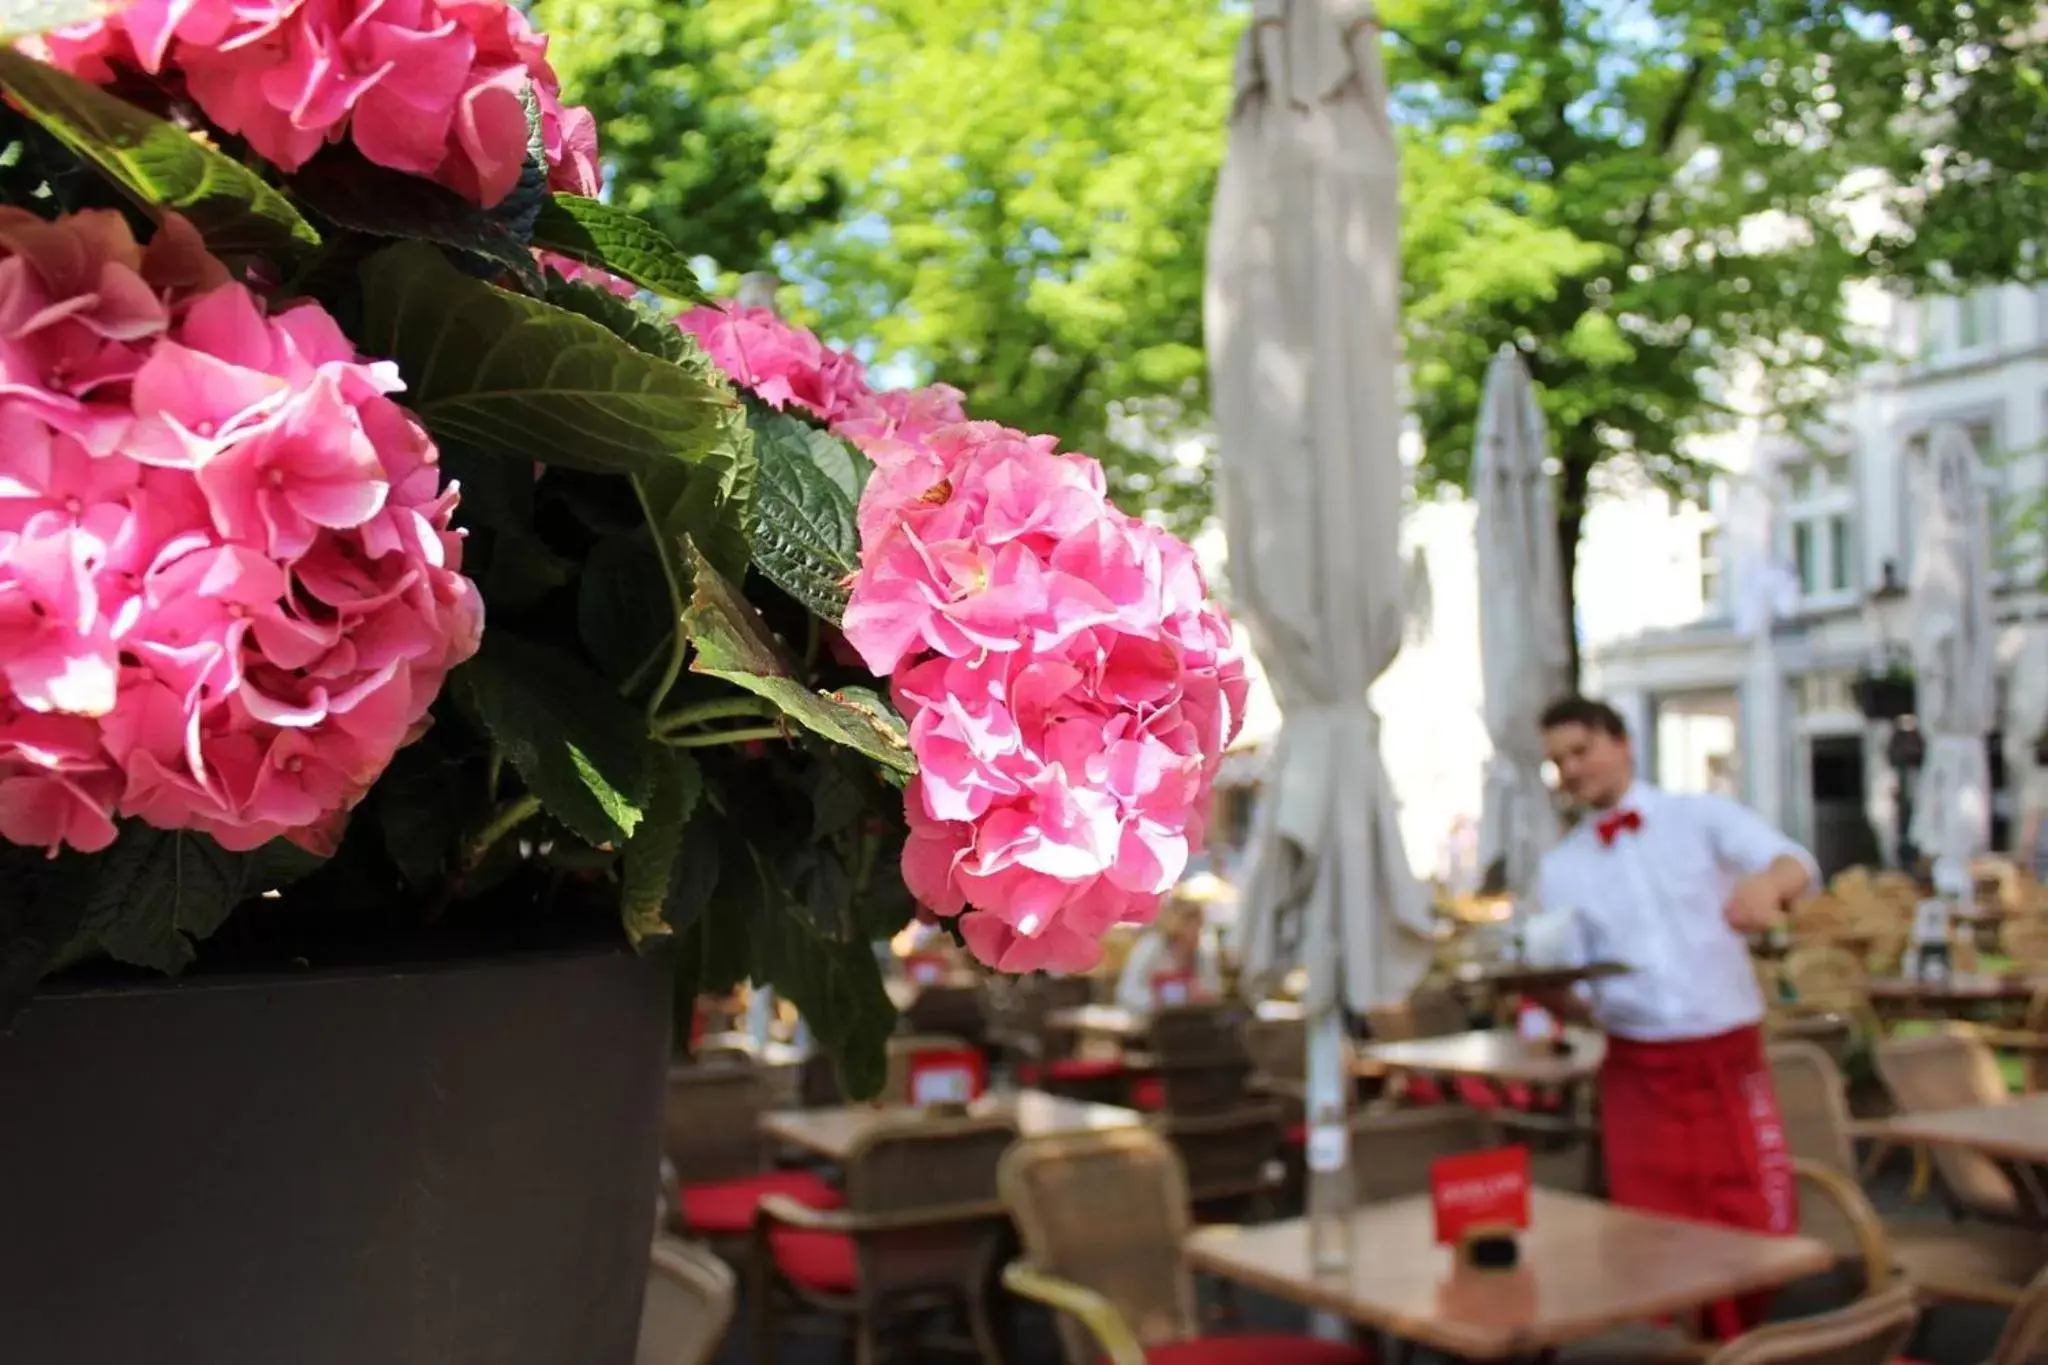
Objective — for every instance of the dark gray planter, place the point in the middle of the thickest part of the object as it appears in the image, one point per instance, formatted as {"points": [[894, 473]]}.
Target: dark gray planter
{"points": [[448, 1166]]}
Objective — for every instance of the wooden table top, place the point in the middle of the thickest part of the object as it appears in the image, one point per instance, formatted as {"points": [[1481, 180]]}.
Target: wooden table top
{"points": [[1496, 1054], [1962, 987], [1586, 1267], [2014, 1131], [833, 1132], [772, 1054], [1114, 1021], [1521, 976]]}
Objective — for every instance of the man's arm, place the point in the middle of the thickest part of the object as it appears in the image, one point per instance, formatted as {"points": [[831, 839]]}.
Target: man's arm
{"points": [[1560, 942], [1774, 870]]}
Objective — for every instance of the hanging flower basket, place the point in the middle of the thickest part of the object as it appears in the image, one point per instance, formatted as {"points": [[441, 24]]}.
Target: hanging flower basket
{"points": [[1884, 696]]}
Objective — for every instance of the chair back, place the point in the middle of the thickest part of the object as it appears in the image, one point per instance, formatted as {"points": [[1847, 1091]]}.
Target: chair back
{"points": [[2024, 938], [1393, 1149], [1870, 1331], [689, 1303], [2025, 1338], [1203, 1062], [1279, 1050], [1229, 1158], [1821, 918], [712, 1129], [1430, 1012], [935, 1179], [1951, 1069], [958, 1011], [1108, 1211], [896, 1086], [1826, 977]]}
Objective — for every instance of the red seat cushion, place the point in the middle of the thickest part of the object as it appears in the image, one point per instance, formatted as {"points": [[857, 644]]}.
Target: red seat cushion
{"points": [[1257, 1351], [1084, 1069], [1477, 1093], [1297, 1135], [823, 1261], [1149, 1093], [1423, 1090], [725, 1208]]}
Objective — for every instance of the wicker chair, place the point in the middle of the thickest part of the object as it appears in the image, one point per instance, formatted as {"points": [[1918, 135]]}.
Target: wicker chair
{"points": [[1102, 1217], [920, 1229], [1955, 1069], [713, 1139], [1230, 1159], [1201, 1057], [1970, 1263], [688, 1306], [1870, 1331], [2024, 938], [2025, 1338]]}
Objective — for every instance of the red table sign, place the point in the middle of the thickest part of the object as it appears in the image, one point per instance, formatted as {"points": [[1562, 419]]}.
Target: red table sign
{"points": [[1173, 988], [952, 1076], [1478, 1191]]}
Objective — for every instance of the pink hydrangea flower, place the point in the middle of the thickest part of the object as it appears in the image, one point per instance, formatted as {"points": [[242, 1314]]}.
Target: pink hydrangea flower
{"points": [[433, 88], [229, 586], [1069, 685]]}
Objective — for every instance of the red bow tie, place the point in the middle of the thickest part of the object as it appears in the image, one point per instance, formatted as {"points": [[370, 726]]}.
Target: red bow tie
{"points": [[1611, 825]]}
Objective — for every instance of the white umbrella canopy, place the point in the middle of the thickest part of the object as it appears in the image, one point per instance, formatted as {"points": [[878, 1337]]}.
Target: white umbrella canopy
{"points": [[1524, 656], [1954, 650], [1301, 317]]}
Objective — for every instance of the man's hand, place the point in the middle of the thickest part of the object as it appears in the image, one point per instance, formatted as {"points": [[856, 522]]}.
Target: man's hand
{"points": [[1754, 904]]}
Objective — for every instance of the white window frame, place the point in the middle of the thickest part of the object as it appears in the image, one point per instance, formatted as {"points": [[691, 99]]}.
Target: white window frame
{"points": [[1817, 511]]}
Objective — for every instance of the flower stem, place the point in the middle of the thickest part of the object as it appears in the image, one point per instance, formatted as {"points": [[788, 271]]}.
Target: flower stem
{"points": [[509, 817], [679, 643], [707, 739], [725, 708]]}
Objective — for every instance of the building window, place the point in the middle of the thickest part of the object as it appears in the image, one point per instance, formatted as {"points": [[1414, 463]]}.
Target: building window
{"points": [[1710, 570], [1977, 320], [1820, 530]]}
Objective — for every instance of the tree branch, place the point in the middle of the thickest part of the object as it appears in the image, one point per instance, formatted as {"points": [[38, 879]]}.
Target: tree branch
{"points": [[1667, 138]]}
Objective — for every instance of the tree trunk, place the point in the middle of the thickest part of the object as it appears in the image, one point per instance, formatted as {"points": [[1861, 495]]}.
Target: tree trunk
{"points": [[1571, 518]]}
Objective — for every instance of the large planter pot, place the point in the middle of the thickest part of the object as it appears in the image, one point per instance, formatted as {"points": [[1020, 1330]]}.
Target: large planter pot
{"points": [[452, 1165], [1883, 698]]}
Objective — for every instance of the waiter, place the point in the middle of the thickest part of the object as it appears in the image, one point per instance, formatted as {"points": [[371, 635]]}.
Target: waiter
{"points": [[1668, 886]]}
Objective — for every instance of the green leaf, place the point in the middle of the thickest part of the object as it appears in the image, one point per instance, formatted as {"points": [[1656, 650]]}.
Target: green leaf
{"points": [[802, 526], [624, 319], [651, 852], [156, 890], [345, 188], [528, 381], [158, 164], [26, 18], [597, 234], [710, 506], [835, 982], [576, 744], [504, 555], [735, 644], [623, 613]]}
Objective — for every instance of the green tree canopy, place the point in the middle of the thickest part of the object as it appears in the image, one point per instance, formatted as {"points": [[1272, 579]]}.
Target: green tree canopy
{"points": [[681, 147], [1027, 198]]}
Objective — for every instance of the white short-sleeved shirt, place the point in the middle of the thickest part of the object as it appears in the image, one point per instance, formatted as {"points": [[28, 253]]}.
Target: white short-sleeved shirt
{"points": [[1655, 900]]}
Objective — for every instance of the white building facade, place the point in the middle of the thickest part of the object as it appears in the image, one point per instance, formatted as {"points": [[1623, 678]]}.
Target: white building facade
{"points": [[1662, 584]]}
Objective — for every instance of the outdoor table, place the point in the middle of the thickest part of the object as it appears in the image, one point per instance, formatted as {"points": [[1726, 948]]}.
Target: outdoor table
{"points": [[1960, 991], [1519, 978], [2013, 1134], [1493, 1054], [2014, 1131], [771, 1054], [833, 1132], [1586, 1268], [1131, 1026]]}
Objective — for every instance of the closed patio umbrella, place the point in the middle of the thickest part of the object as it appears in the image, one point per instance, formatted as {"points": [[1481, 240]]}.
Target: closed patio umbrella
{"points": [[1301, 316], [1954, 651], [1524, 659]]}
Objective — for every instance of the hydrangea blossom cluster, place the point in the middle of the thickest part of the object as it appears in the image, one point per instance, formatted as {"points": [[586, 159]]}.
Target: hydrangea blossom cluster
{"points": [[229, 589], [1069, 685], [434, 88]]}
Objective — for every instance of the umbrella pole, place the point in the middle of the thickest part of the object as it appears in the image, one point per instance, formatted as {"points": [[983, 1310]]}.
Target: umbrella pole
{"points": [[1329, 1141]]}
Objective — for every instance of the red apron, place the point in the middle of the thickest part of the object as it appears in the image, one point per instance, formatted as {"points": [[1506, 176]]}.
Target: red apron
{"points": [[1691, 1129]]}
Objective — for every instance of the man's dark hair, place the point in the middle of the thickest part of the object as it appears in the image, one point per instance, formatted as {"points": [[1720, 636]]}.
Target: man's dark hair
{"points": [[1594, 715]]}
